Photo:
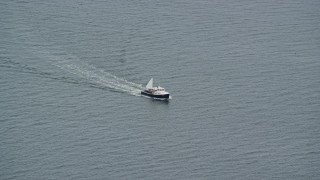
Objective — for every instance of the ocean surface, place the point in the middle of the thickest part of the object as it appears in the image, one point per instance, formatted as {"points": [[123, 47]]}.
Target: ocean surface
{"points": [[244, 78]]}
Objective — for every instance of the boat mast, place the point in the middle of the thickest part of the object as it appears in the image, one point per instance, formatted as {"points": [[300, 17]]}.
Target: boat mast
{"points": [[150, 84]]}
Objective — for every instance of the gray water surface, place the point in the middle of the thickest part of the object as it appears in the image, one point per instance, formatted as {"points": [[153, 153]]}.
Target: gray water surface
{"points": [[244, 79]]}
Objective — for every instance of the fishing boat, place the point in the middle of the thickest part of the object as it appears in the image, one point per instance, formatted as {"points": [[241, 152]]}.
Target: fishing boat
{"points": [[155, 92]]}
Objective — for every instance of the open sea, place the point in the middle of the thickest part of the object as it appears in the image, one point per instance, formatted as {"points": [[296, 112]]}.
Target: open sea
{"points": [[244, 77]]}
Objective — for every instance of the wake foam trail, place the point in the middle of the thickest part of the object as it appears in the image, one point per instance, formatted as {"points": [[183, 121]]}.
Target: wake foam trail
{"points": [[94, 75], [102, 78]]}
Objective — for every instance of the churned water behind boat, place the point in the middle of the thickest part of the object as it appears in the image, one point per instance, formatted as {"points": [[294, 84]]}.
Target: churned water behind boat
{"points": [[244, 77]]}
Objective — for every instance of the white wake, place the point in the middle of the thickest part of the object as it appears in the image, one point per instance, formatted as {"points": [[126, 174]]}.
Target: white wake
{"points": [[73, 65]]}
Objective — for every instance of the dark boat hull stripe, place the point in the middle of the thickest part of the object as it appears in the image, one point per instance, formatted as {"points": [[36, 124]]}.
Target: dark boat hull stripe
{"points": [[163, 96]]}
